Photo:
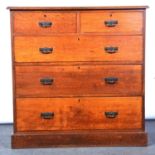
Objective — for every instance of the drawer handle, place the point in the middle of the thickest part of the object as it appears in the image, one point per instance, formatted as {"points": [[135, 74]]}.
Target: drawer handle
{"points": [[111, 49], [111, 23], [46, 50], [47, 115], [111, 114], [46, 81], [45, 24], [111, 80]]}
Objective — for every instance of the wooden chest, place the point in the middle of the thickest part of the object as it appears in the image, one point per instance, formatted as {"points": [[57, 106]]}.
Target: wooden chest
{"points": [[78, 76]]}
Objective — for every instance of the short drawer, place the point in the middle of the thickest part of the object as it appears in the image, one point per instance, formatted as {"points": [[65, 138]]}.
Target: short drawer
{"points": [[78, 48], [44, 22], [81, 80], [115, 113], [112, 22]]}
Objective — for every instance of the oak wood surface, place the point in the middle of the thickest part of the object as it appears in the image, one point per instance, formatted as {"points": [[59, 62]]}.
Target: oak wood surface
{"points": [[70, 139], [79, 113], [128, 23], [76, 76], [15, 8], [71, 48], [29, 22], [88, 80]]}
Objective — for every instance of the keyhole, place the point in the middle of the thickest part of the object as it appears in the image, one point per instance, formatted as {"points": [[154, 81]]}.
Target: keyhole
{"points": [[45, 16], [79, 100], [78, 38], [79, 67], [111, 15]]}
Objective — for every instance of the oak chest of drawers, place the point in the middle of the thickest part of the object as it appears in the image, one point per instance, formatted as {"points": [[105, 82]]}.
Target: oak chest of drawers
{"points": [[78, 76]]}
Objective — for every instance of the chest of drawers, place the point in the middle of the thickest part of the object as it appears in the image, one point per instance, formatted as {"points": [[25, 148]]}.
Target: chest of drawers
{"points": [[78, 76]]}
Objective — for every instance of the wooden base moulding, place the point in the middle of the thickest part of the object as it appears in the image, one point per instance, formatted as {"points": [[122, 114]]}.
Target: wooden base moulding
{"points": [[67, 139]]}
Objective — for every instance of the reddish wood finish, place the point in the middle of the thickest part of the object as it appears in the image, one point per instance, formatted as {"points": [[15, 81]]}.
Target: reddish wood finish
{"points": [[125, 8], [128, 22], [78, 64], [78, 80], [75, 113], [28, 22], [78, 48], [79, 138]]}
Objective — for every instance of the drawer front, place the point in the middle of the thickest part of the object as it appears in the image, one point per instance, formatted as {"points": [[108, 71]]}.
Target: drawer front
{"points": [[112, 22], [86, 80], [115, 113], [44, 22], [78, 48]]}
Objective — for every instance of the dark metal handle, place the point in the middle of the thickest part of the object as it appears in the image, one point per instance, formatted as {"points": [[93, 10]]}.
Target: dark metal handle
{"points": [[111, 23], [46, 50], [111, 49], [47, 115], [46, 81], [111, 80], [45, 24], [111, 114]]}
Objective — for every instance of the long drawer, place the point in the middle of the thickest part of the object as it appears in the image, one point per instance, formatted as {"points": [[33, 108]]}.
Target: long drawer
{"points": [[78, 48], [44, 22], [112, 22], [115, 113], [85, 80]]}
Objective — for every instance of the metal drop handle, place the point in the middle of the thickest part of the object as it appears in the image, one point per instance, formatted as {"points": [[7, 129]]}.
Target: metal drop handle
{"points": [[47, 115], [45, 24], [111, 114], [111, 49], [46, 50], [46, 81], [111, 80], [110, 23]]}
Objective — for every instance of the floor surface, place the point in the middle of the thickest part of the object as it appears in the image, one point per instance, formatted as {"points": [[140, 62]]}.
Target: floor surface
{"points": [[5, 146]]}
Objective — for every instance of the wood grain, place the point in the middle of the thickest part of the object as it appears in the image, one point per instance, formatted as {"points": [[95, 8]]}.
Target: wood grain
{"points": [[75, 113], [76, 139], [27, 22], [15, 8], [69, 48], [128, 22], [78, 65], [78, 80]]}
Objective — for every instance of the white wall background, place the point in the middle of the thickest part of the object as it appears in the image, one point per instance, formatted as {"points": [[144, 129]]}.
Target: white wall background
{"points": [[6, 110]]}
